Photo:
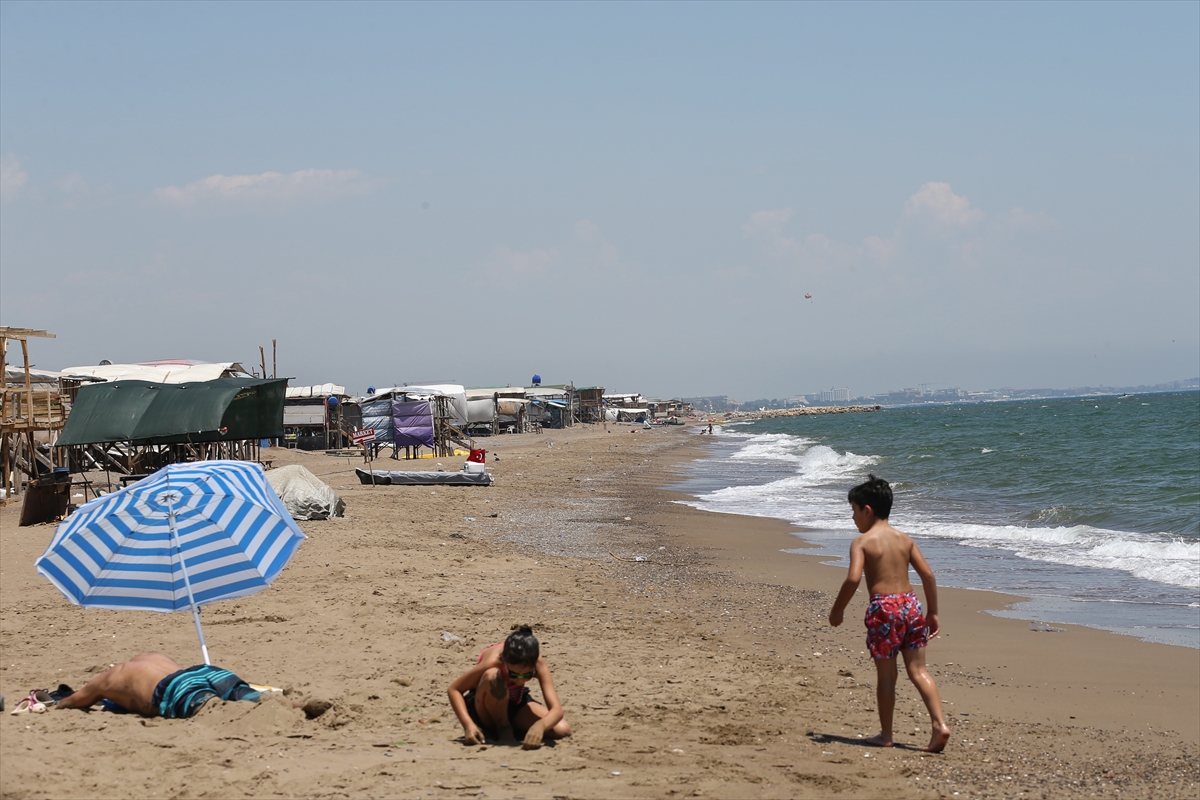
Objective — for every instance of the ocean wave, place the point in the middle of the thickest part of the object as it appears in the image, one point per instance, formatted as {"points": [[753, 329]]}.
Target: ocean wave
{"points": [[806, 497], [813, 495], [772, 447], [1053, 515], [1160, 559]]}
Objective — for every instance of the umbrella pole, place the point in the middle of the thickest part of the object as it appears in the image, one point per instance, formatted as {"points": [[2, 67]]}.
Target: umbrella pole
{"points": [[186, 581]]}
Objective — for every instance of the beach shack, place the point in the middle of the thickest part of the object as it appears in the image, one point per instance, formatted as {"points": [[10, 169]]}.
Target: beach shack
{"points": [[504, 407], [320, 417], [135, 427], [589, 404], [415, 416], [625, 407], [34, 405], [622, 399], [553, 406]]}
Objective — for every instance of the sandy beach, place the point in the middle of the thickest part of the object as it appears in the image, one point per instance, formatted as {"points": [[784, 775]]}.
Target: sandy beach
{"points": [[705, 669]]}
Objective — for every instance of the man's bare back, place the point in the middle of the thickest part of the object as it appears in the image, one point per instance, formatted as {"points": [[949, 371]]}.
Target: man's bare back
{"points": [[129, 685]]}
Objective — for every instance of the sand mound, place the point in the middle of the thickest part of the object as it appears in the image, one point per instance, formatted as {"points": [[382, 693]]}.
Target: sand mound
{"points": [[273, 716]]}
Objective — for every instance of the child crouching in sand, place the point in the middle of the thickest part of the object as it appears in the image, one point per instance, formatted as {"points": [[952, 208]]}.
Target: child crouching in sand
{"points": [[894, 620], [492, 695]]}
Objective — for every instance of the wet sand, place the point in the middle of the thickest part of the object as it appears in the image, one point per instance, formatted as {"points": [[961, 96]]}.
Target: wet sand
{"points": [[705, 670]]}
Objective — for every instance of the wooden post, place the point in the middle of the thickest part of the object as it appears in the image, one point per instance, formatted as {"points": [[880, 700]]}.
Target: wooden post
{"points": [[274, 361], [33, 463], [4, 414], [263, 358], [4, 455], [25, 353]]}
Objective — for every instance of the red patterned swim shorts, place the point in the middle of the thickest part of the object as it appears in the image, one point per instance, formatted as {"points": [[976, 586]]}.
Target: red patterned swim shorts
{"points": [[894, 622]]}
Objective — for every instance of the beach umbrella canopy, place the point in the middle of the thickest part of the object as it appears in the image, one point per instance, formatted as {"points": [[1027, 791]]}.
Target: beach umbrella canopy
{"points": [[187, 535]]}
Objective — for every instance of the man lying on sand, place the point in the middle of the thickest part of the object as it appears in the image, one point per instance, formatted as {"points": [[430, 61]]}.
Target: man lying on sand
{"points": [[894, 620], [153, 685]]}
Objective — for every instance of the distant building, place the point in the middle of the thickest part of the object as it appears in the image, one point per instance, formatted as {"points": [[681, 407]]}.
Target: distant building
{"points": [[713, 403], [903, 396], [835, 396]]}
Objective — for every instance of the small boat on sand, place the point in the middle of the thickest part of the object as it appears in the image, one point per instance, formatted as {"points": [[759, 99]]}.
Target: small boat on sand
{"points": [[394, 477]]}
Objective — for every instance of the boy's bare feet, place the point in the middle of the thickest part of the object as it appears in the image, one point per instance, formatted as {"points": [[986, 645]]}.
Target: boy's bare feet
{"points": [[878, 741], [939, 740]]}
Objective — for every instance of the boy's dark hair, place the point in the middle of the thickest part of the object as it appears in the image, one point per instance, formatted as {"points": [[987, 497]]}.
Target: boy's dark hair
{"points": [[876, 493], [521, 646]]}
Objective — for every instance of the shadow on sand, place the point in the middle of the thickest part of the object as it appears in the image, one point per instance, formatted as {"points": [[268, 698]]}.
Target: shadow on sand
{"points": [[824, 738]]}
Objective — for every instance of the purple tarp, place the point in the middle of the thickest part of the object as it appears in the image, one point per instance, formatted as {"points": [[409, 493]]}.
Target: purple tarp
{"points": [[412, 423]]}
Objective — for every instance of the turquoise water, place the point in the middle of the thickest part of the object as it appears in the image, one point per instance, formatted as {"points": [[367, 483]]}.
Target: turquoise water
{"points": [[1089, 507]]}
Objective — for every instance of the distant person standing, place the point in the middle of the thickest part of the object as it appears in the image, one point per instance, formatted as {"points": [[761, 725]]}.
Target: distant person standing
{"points": [[894, 620]]}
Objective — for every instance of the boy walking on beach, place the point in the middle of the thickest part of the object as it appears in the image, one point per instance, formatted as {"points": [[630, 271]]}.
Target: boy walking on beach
{"points": [[894, 620]]}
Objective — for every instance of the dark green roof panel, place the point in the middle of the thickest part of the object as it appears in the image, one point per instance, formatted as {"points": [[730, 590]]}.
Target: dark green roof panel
{"points": [[141, 412]]}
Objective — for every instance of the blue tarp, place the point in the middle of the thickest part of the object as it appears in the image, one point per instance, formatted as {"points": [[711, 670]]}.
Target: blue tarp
{"points": [[378, 415]]}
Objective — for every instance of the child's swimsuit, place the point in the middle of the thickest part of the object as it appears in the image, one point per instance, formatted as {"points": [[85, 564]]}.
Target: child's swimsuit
{"points": [[180, 694], [518, 695], [523, 699], [894, 622]]}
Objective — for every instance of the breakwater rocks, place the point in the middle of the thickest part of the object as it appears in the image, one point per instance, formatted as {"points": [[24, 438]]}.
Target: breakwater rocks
{"points": [[802, 411]]}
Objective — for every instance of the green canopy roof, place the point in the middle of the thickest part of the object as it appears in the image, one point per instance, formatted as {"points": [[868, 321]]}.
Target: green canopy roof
{"points": [[141, 412]]}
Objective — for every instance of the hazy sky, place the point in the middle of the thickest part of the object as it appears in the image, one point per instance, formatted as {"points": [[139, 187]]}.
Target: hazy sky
{"points": [[631, 195]]}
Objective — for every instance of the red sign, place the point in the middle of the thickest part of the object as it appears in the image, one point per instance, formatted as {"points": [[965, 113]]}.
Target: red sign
{"points": [[363, 436]]}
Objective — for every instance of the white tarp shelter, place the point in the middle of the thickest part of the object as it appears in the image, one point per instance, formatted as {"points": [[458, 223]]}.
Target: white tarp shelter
{"points": [[485, 393], [321, 390], [623, 399], [15, 376], [173, 371], [304, 416], [481, 411]]}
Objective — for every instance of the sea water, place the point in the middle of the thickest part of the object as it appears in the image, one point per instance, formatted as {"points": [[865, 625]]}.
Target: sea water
{"points": [[1089, 507]]}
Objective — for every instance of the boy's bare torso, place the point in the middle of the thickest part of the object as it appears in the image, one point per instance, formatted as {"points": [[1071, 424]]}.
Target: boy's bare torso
{"points": [[886, 555]]}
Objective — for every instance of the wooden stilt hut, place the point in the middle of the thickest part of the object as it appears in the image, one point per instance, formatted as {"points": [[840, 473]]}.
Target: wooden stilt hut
{"points": [[30, 418]]}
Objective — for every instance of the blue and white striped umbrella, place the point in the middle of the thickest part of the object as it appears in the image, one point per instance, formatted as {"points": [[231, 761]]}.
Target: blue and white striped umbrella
{"points": [[187, 535]]}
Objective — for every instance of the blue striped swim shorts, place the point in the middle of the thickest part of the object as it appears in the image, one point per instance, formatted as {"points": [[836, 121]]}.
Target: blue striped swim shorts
{"points": [[180, 694]]}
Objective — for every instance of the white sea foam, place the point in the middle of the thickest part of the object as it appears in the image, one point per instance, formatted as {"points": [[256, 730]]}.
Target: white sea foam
{"points": [[1161, 559], [792, 498], [773, 447]]}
